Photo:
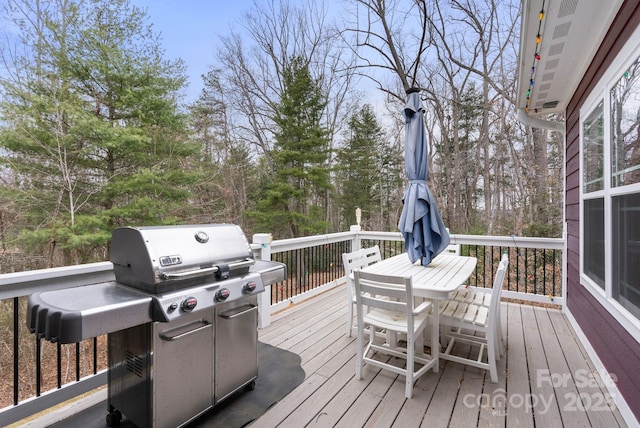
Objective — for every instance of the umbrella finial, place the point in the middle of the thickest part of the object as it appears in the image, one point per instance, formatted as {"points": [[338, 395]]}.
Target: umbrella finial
{"points": [[412, 90]]}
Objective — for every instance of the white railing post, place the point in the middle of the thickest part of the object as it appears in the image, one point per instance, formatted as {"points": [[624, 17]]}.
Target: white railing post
{"points": [[355, 241], [264, 299]]}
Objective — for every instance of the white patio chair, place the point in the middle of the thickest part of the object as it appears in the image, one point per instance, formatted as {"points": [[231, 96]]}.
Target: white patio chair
{"points": [[480, 297], [356, 260], [386, 302], [467, 319]]}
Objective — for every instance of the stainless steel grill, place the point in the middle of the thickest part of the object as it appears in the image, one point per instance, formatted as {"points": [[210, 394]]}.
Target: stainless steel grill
{"points": [[181, 319]]}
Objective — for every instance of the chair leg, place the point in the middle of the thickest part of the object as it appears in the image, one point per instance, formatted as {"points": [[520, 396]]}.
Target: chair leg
{"points": [[497, 339], [435, 331], [408, 390], [349, 318], [491, 354], [350, 306], [359, 352]]}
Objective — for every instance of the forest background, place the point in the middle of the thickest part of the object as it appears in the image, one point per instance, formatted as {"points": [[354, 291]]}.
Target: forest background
{"points": [[285, 136]]}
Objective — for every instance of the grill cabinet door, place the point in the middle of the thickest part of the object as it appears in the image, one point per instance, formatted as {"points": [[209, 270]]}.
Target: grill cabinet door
{"points": [[183, 368], [236, 346]]}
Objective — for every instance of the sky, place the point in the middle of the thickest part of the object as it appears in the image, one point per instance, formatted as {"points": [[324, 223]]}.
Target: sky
{"points": [[190, 30]]}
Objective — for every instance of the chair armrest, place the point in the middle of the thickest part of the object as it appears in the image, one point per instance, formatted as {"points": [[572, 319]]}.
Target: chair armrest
{"points": [[477, 289], [422, 307]]}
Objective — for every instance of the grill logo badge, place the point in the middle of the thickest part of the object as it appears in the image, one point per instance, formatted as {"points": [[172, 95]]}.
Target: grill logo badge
{"points": [[171, 260], [202, 237]]}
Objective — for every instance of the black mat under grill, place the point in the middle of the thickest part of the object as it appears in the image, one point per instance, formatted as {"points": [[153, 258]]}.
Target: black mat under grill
{"points": [[279, 372]]}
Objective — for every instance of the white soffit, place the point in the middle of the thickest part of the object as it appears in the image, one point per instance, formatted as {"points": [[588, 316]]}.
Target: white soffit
{"points": [[570, 33]]}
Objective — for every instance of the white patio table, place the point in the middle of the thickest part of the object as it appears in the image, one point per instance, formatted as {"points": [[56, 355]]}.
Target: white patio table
{"points": [[437, 281]]}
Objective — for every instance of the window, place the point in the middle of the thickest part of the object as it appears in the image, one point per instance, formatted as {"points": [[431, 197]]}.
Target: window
{"points": [[594, 240], [610, 188], [625, 140], [593, 150], [626, 252]]}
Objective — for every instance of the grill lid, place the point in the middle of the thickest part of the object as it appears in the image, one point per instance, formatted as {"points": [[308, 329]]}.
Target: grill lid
{"points": [[151, 256]]}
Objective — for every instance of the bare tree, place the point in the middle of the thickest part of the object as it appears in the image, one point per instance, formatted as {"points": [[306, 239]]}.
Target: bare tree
{"points": [[253, 73], [473, 40], [391, 36]]}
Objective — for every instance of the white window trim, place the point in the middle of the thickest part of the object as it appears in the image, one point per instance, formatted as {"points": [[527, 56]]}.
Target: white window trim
{"points": [[628, 54]]}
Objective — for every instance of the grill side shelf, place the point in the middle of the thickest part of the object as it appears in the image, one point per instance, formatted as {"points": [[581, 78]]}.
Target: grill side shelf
{"points": [[271, 272], [74, 314]]}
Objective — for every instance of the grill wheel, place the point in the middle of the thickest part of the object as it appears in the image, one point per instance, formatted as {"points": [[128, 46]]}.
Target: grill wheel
{"points": [[114, 418]]}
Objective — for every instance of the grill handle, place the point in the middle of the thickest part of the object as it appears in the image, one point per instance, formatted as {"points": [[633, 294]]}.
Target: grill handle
{"points": [[205, 325], [205, 271], [230, 315]]}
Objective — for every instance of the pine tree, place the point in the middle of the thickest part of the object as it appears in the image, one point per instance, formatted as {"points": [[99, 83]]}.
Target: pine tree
{"points": [[92, 128], [292, 204], [227, 174], [357, 170], [369, 174]]}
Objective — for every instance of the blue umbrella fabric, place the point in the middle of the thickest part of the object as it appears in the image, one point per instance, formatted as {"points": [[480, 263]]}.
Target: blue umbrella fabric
{"points": [[425, 235]]}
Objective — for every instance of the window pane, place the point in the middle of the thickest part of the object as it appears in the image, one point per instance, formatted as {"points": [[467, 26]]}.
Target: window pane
{"points": [[626, 251], [593, 150], [594, 240], [625, 119]]}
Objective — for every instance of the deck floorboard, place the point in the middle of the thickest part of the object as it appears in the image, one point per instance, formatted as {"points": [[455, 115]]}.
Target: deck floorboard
{"points": [[539, 343]]}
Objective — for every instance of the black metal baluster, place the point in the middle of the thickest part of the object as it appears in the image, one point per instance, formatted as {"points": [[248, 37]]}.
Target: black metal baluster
{"points": [[295, 270], [475, 250], [526, 269], [328, 275], [318, 267], [492, 269], [16, 350], [517, 260], [59, 364], [534, 272], [311, 256], [95, 355], [487, 253], [544, 272], [313, 267], [305, 277], [553, 272], [38, 366], [77, 361]]}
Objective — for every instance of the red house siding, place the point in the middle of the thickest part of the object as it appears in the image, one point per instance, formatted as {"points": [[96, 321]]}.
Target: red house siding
{"points": [[617, 349]]}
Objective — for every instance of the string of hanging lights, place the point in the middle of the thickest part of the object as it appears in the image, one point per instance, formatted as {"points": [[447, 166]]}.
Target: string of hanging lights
{"points": [[536, 59]]}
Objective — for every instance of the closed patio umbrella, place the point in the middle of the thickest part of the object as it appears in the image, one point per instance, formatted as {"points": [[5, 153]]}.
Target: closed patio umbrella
{"points": [[425, 235]]}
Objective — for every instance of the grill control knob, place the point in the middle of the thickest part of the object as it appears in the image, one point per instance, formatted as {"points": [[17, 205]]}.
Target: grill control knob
{"points": [[249, 287], [189, 304], [223, 294]]}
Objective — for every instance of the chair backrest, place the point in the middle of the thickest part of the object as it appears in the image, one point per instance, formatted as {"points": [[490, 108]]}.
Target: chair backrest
{"points": [[389, 292], [498, 282], [452, 249], [360, 259]]}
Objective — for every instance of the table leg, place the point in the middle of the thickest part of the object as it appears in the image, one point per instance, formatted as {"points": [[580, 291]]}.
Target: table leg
{"points": [[435, 334]]}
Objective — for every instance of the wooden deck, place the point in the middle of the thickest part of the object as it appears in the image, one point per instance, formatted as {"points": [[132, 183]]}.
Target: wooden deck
{"points": [[546, 378]]}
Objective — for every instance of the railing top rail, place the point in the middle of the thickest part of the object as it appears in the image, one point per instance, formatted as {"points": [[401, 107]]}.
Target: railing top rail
{"points": [[504, 241], [509, 241], [282, 245], [18, 284]]}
